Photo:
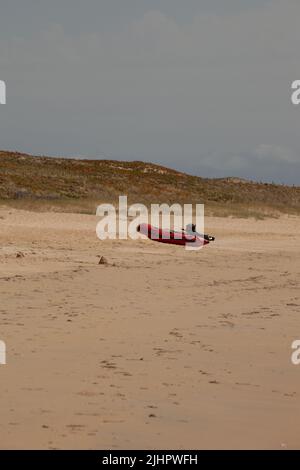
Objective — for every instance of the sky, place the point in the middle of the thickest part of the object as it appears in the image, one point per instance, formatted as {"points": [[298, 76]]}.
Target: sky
{"points": [[200, 86]]}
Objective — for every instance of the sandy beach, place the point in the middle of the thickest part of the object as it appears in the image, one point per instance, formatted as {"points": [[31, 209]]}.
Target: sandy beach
{"points": [[161, 348]]}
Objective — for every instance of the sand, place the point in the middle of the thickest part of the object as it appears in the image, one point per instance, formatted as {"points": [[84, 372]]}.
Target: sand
{"points": [[161, 348]]}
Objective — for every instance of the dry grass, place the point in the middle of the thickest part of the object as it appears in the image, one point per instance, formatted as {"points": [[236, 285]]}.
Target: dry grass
{"points": [[60, 184]]}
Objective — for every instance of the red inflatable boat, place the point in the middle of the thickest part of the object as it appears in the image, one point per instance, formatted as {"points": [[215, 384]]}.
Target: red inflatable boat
{"points": [[172, 237]]}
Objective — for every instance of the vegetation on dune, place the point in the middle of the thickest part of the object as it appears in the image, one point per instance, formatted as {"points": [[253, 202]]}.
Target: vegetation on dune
{"points": [[83, 183]]}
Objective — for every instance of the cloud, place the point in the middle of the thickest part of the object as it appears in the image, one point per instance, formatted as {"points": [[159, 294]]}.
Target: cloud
{"points": [[276, 153], [209, 95]]}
